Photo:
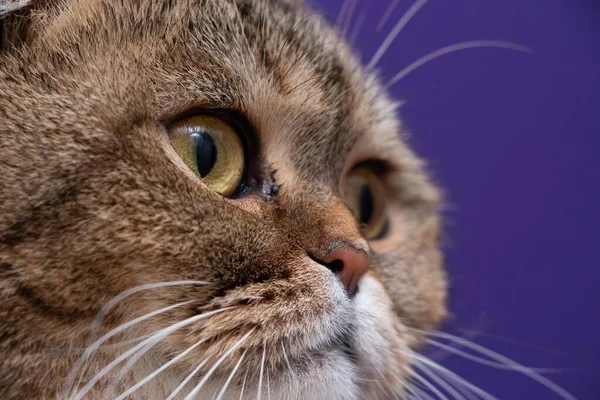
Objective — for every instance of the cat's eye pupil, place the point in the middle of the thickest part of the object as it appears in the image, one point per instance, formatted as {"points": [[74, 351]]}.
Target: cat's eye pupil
{"points": [[206, 153], [366, 204]]}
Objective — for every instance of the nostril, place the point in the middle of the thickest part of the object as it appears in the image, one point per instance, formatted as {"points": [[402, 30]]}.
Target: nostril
{"points": [[335, 266], [348, 263]]}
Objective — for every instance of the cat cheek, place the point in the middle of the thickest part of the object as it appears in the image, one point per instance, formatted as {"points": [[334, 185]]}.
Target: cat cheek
{"points": [[251, 205]]}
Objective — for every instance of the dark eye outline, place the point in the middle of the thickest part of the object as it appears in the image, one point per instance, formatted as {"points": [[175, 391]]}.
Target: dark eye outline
{"points": [[247, 135]]}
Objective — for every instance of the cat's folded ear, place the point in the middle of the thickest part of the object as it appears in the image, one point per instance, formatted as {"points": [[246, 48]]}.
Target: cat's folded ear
{"points": [[19, 20]]}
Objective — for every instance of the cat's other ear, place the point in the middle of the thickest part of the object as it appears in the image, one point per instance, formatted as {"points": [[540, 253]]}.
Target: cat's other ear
{"points": [[19, 20]]}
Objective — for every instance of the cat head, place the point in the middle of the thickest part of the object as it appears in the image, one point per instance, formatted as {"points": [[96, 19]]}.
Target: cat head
{"points": [[233, 169]]}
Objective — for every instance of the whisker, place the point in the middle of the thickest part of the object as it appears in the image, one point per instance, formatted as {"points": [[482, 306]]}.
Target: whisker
{"points": [[94, 346], [262, 367], [440, 355], [485, 362], [500, 358], [458, 379], [378, 382], [157, 337], [186, 380], [214, 396], [243, 385], [356, 30], [452, 49], [382, 379], [111, 303], [231, 375], [443, 384], [419, 393], [413, 389], [130, 363], [198, 387], [348, 19], [386, 15], [268, 386], [107, 307], [342, 15], [287, 361], [159, 370], [429, 386], [404, 20], [79, 350]]}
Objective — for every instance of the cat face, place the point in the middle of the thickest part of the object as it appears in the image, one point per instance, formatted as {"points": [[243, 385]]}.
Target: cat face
{"points": [[234, 162]]}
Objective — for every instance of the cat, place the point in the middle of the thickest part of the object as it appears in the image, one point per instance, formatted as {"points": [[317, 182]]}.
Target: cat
{"points": [[205, 199]]}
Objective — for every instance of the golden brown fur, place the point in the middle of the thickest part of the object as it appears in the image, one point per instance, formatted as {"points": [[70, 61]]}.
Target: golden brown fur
{"points": [[94, 202]]}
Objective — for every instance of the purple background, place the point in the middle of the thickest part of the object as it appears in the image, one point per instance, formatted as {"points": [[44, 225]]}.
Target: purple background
{"points": [[511, 137]]}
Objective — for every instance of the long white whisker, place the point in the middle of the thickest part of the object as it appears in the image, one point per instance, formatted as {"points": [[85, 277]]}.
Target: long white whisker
{"points": [[443, 384], [152, 339], [287, 361], [94, 346], [356, 30], [452, 375], [386, 15], [186, 380], [243, 385], [80, 350], [378, 383], [262, 367], [485, 362], [404, 20], [111, 303], [342, 15], [228, 381], [348, 20], [214, 396], [198, 387], [473, 44], [408, 387], [418, 393], [159, 370], [469, 335], [268, 386], [499, 357], [412, 388], [106, 308], [130, 363], [429, 386]]}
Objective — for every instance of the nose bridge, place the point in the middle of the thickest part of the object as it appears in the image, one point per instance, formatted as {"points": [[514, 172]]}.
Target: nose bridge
{"points": [[328, 232]]}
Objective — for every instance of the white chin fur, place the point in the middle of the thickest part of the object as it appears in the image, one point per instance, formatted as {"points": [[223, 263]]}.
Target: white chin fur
{"points": [[374, 328], [334, 375]]}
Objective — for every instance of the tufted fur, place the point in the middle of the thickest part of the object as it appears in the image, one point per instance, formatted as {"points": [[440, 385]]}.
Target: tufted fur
{"points": [[93, 202]]}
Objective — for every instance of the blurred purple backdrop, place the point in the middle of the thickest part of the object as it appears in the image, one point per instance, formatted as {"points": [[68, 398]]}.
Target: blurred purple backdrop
{"points": [[513, 138]]}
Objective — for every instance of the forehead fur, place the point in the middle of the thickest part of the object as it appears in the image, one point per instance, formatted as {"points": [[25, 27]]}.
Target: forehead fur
{"points": [[275, 61]]}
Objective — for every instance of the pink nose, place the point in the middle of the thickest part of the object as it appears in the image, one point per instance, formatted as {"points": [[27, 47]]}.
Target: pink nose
{"points": [[349, 264]]}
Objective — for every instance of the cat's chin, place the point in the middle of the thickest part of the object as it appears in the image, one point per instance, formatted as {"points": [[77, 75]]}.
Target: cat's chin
{"points": [[365, 362]]}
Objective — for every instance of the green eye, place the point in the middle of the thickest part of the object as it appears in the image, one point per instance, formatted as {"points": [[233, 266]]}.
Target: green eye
{"points": [[212, 150], [365, 194]]}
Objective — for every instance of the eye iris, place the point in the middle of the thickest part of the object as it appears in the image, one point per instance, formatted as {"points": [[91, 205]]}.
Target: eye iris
{"points": [[206, 153], [365, 195], [366, 204]]}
